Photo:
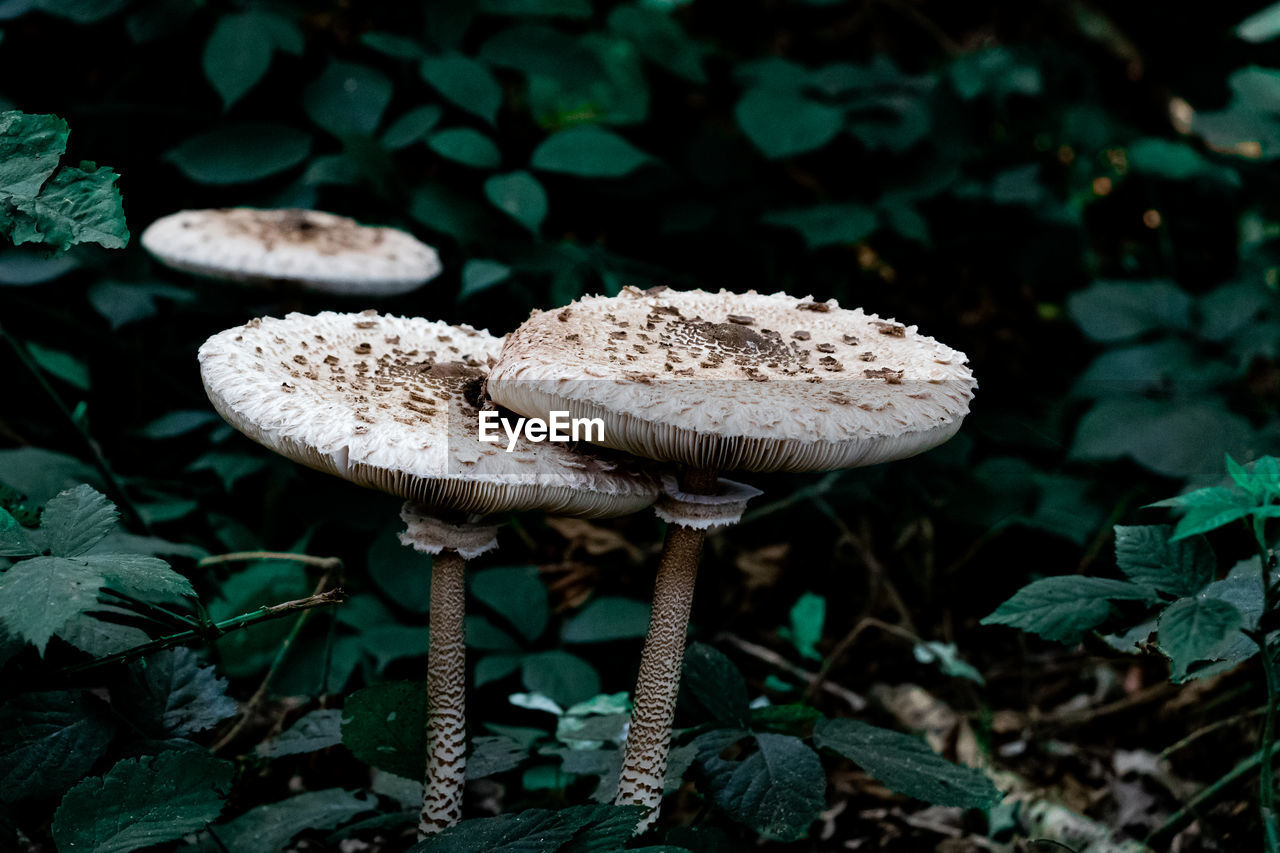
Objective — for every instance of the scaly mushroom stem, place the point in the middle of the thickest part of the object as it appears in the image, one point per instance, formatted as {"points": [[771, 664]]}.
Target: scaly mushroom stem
{"points": [[658, 685], [446, 697], [649, 736]]}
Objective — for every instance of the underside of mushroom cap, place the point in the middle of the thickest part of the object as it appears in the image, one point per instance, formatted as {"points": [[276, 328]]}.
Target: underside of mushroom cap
{"points": [[307, 248], [390, 403], [737, 381]]}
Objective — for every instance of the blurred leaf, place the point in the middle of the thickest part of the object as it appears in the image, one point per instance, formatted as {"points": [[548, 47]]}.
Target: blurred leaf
{"points": [[490, 756], [948, 659], [24, 267], [784, 123], [466, 146], [995, 71], [402, 574], [395, 46], [777, 789], [606, 619], [662, 41], [827, 224], [484, 635], [906, 764], [588, 151], [520, 196], [465, 82], [49, 741], [385, 726], [120, 303], [313, 732], [808, 615], [712, 681], [619, 96], [443, 210], [541, 51], [565, 678], [1063, 608], [543, 8], [347, 98], [230, 467], [179, 423], [248, 651], [1194, 629], [144, 801], [494, 667], [1261, 26], [271, 826], [1147, 557], [479, 274], [1177, 161], [15, 540], [517, 593], [241, 153], [40, 474], [62, 365], [1175, 439], [411, 127], [237, 55], [529, 831]]}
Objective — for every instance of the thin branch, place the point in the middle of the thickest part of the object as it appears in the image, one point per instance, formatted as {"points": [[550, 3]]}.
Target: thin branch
{"points": [[854, 701], [1211, 728], [214, 631], [328, 564], [1181, 815]]}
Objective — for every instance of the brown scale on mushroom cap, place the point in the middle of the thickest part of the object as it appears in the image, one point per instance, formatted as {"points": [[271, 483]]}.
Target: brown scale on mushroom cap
{"points": [[750, 396], [391, 403]]}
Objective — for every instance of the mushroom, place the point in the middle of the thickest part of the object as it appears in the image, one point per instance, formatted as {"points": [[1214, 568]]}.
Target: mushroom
{"points": [[391, 403], [305, 248], [732, 382]]}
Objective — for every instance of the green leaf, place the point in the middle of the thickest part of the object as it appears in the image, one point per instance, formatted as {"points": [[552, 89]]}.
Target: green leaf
{"points": [[169, 694], [411, 127], [40, 474], [315, 731], [49, 741], [491, 755], [241, 153], [777, 789], [230, 467], [120, 303], [348, 99], [271, 826], [1177, 161], [1177, 439], [402, 574], [1195, 629], [520, 196], [588, 151], [77, 205], [464, 82], [15, 540], [948, 659], [620, 96], [606, 619], [565, 678], [448, 212], [541, 51], [40, 595], [63, 365], [661, 39], [466, 146], [518, 594], [714, 684], [808, 615], [237, 55], [385, 726], [1120, 310], [1261, 26], [784, 123], [75, 520], [390, 44], [827, 224], [248, 651], [787, 719], [1147, 557], [1063, 608], [179, 423], [143, 801], [485, 636], [142, 577], [906, 764], [542, 8], [30, 146], [479, 274]]}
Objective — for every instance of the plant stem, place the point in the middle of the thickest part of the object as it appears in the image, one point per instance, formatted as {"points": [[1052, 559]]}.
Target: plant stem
{"points": [[216, 630], [446, 697], [1208, 793], [95, 450], [1266, 778], [326, 563]]}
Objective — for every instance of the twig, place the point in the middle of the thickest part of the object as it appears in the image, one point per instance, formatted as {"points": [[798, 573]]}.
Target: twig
{"points": [[327, 563], [855, 702], [1182, 814], [95, 450], [260, 695], [1209, 729], [1074, 716], [214, 630]]}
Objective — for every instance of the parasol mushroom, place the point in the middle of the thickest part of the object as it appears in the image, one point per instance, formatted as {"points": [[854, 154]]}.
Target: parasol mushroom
{"points": [[391, 403], [304, 248], [721, 382]]}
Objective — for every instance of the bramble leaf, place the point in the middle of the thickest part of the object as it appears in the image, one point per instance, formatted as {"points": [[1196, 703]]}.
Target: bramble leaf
{"points": [[1063, 608]]}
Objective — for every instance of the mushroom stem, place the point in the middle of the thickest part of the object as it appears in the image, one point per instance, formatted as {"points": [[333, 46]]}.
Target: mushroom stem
{"points": [[446, 697], [658, 684]]}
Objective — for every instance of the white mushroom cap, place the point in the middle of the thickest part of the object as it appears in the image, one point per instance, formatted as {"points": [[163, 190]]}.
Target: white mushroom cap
{"points": [[737, 381], [389, 403], [307, 248]]}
